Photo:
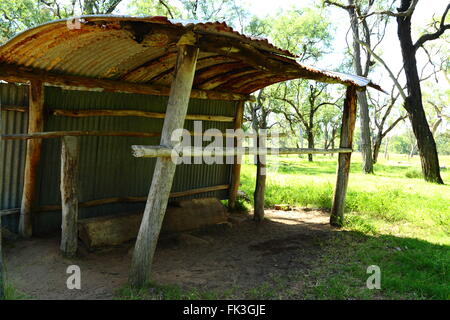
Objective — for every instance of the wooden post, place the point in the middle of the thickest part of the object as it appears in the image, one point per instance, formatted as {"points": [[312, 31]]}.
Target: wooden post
{"points": [[236, 171], [343, 167], [165, 168], [2, 277], [69, 195], [35, 124]]}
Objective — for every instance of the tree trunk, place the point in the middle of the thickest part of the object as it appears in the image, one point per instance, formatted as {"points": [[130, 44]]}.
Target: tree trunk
{"points": [[366, 146], [376, 148], [310, 144], [413, 103]]}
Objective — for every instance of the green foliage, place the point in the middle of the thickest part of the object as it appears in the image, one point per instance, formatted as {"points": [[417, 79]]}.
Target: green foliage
{"points": [[414, 174], [166, 292]]}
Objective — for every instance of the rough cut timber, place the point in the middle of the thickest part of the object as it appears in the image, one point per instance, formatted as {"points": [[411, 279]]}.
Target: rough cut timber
{"points": [[236, 171], [164, 169], [181, 216], [69, 195], [343, 167], [35, 124]]}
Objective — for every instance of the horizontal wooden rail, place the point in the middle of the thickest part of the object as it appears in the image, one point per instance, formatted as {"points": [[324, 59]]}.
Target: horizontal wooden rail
{"points": [[94, 203], [7, 212], [13, 73], [58, 134], [160, 151], [118, 113], [13, 108], [134, 113]]}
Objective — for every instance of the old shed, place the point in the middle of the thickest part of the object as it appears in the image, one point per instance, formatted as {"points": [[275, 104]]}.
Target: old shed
{"points": [[116, 82]]}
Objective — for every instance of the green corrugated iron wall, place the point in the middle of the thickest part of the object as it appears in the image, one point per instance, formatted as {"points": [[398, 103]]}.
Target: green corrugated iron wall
{"points": [[107, 168]]}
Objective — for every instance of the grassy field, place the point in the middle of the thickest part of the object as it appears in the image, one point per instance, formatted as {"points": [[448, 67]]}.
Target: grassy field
{"points": [[394, 220]]}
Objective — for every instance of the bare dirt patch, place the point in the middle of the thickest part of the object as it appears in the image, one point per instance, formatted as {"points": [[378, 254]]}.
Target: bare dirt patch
{"points": [[242, 256]]}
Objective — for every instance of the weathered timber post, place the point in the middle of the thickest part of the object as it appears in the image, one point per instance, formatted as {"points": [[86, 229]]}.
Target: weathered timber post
{"points": [[343, 167], [69, 195], [35, 124], [236, 171], [164, 172], [260, 185], [2, 276]]}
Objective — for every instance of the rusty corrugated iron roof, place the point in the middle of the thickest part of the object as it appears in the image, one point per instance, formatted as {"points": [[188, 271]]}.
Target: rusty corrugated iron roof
{"points": [[143, 50]]}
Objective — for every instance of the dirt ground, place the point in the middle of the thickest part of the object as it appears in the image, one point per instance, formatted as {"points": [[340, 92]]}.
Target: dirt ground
{"points": [[243, 255]]}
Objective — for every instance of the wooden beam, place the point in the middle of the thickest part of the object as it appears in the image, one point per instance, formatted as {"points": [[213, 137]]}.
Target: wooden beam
{"points": [[140, 151], [35, 124], [343, 167], [165, 169], [69, 195], [2, 276], [134, 113], [236, 170], [4, 107], [13, 73], [99, 202], [59, 134], [7, 212]]}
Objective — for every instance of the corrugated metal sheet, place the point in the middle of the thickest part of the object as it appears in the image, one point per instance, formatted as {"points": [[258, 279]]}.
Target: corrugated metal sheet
{"points": [[12, 153], [141, 50], [107, 168]]}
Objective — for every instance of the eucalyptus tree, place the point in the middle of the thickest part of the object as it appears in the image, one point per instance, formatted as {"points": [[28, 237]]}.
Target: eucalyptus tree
{"points": [[372, 32], [413, 99]]}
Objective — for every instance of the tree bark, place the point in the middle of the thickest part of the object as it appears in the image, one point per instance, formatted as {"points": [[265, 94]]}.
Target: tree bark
{"points": [[376, 148], [165, 168], [366, 145], [310, 144], [413, 103]]}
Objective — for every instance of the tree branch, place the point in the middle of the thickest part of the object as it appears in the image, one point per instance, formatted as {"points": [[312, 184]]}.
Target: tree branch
{"points": [[433, 36]]}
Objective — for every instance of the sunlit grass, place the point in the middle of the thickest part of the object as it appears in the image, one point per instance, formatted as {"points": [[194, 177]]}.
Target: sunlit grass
{"points": [[394, 220]]}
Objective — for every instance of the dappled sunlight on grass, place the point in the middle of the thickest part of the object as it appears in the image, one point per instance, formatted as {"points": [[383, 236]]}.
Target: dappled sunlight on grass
{"points": [[394, 219]]}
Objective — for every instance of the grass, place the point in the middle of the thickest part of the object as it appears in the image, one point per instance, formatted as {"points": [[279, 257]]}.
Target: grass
{"points": [[394, 220], [13, 294]]}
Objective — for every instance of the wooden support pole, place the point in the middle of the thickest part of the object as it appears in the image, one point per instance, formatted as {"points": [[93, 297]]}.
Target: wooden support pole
{"points": [[236, 170], [343, 167], [165, 169], [69, 195], [2, 276], [35, 124]]}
